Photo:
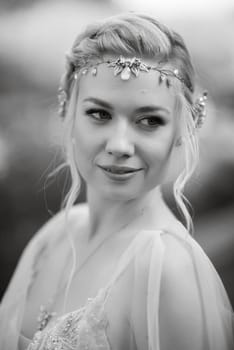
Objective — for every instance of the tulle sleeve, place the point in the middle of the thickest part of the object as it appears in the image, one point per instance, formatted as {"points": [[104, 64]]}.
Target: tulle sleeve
{"points": [[178, 299], [13, 302]]}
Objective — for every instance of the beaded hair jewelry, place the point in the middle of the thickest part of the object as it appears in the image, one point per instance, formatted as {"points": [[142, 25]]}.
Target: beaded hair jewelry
{"points": [[126, 67], [199, 110]]}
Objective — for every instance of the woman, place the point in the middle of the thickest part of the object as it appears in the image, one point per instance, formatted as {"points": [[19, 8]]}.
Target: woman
{"points": [[136, 279]]}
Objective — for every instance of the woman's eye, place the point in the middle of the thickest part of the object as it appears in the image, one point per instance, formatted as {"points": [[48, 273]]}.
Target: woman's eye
{"points": [[98, 114], [151, 121]]}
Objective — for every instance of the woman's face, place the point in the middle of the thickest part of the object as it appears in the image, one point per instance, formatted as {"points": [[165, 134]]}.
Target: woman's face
{"points": [[125, 132]]}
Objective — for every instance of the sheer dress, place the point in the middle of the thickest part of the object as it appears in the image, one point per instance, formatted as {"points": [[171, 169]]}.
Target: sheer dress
{"points": [[135, 286]]}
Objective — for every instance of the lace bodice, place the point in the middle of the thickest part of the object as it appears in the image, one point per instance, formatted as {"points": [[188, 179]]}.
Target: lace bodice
{"points": [[82, 329]]}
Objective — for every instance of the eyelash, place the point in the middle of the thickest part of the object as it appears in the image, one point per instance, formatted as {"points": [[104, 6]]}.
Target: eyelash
{"points": [[159, 121], [92, 111]]}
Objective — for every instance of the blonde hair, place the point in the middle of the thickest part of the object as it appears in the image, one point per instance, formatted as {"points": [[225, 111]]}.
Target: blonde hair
{"points": [[139, 35], [142, 36]]}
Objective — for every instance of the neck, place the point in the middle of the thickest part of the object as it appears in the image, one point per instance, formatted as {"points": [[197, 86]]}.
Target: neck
{"points": [[109, 216]]}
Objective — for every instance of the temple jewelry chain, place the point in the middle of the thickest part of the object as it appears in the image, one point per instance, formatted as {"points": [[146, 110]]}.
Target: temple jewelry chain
{"points": [[127, 67]]}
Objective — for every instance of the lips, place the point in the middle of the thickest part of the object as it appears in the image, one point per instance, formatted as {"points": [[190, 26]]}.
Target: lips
{"points": [[113, 169]]}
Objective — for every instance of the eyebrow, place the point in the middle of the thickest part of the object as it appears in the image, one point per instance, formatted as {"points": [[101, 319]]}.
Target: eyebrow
{"points": [[143, 109]]}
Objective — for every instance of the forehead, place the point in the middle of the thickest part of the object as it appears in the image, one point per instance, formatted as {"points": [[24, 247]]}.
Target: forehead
{"points": [[142, 90]]}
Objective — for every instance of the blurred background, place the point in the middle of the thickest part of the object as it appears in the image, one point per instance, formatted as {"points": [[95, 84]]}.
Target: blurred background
{"points": [[34, 35]]}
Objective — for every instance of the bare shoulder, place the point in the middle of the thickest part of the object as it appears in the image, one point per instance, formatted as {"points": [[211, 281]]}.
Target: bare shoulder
{"points": [[172, 240], [178, 274], [181, 316], [55, 227], [177, 253], [171, 268]]}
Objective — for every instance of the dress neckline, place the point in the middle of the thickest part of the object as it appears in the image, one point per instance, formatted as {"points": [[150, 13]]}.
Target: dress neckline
{"points": [[125, 258]]}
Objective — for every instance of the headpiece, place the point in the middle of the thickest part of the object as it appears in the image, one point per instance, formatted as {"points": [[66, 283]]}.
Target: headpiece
{"points": [[199, 110], [125, 67]]}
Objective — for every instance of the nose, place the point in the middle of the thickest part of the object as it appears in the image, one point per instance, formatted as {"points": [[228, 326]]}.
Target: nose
{"points": [[118, 141]]}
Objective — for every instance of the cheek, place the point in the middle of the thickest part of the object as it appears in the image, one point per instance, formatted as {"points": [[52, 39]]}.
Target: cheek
{"points": [[158, 163], [158, 158], [158, 152], [84, 146]]}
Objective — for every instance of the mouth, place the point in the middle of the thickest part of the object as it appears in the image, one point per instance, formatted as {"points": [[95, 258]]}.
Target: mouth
{"points": [[119, 170]]}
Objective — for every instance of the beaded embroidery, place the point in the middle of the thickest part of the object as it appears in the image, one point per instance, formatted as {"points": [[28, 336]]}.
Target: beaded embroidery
{"points": [[83, 329]]}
